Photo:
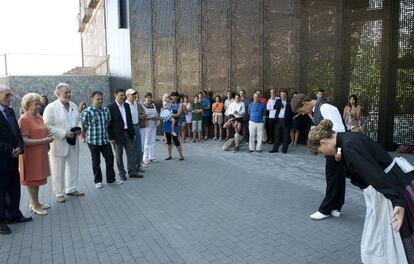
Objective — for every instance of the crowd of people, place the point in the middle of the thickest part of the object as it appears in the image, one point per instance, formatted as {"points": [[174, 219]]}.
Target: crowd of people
{"points": [[45, 142], [50, 133]]}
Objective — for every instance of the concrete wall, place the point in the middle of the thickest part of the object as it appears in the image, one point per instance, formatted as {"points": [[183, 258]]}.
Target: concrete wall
{"points": [[81, 86]]}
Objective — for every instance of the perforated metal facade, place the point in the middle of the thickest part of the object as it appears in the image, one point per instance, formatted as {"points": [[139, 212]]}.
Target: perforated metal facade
{"points": [[362, 47]]}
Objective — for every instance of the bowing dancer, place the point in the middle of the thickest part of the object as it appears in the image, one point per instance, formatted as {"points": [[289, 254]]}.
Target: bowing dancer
{"points": [[388, 190], [334, 167]]}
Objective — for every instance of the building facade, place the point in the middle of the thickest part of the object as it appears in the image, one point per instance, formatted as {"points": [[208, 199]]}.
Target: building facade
{"points": [[362, 47]]}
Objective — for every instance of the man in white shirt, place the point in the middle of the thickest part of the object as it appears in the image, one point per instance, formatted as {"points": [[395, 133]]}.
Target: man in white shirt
{"points": [[131, 101], [272, 115], [334, 167], [122, 134], [60, 117]]}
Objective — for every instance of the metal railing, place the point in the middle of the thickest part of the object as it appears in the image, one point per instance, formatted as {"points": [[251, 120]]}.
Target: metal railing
{"points": [[53, 64]]}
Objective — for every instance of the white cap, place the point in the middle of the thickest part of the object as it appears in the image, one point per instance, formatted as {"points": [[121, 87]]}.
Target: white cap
{"points": [[130, 91]]}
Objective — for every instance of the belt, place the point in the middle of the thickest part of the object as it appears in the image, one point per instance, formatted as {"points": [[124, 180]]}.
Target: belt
{"points": [[405, 166]]}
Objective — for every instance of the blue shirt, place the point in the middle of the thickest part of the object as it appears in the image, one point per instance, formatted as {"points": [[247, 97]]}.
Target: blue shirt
{"points": [[256, 111], [206, 105]]}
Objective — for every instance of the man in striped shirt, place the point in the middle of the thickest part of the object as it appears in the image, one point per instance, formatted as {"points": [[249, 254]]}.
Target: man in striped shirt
{"points": [[95, 120]]}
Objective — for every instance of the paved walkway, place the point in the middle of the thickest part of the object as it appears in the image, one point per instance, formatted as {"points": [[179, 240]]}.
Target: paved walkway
{"points": [[214, 207]]}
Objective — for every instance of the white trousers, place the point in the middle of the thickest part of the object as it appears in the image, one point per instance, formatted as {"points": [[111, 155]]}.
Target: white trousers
{"points": [[149, 143], [65, 172], [143, 136], [256, 134]]}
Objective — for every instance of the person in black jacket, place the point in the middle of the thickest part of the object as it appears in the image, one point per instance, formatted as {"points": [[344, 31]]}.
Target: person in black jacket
{"points": [[284, 117], [11, 146], [369, 166], [122, 135]]}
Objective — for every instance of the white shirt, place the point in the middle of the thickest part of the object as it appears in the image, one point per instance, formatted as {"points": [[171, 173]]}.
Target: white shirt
{"points": [[271, 107], [69, 114], [331, 112], [283, 110], [134, 112], [123, 113], [227, 104], [239, 107], [2, 108]]}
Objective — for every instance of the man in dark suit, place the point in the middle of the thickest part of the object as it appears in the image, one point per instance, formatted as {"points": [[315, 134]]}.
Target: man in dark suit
{"points": [[11, 146], [122, 135], [284, 117]]}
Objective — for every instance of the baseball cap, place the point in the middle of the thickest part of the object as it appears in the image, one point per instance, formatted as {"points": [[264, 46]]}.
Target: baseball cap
{"points": [[130, 92]]}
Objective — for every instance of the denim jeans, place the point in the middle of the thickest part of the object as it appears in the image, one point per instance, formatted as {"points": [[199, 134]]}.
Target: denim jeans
{"points": [[138, 147]]}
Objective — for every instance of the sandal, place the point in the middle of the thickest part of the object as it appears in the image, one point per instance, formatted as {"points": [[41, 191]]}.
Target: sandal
{"points": [[42, 212]]}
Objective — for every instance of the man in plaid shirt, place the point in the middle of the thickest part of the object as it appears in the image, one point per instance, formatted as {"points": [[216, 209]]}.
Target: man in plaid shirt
{"points": [[95, 120]]}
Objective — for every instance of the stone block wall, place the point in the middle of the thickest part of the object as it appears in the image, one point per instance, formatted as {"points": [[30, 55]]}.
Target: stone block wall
{"points": [[81, 87]]}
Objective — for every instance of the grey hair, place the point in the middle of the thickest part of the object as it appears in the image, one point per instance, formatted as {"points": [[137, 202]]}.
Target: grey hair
{"points": [[61, 87], [4, 88], [28, 99]]}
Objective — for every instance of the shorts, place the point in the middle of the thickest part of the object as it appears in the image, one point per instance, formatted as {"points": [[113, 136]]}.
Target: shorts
{"points": [[188, 118], [182, 124], [197, 125], [217, 119], [206, 120]]}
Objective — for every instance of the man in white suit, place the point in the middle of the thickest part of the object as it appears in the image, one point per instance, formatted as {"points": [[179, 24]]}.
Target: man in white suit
{"points": [[62, 120]]}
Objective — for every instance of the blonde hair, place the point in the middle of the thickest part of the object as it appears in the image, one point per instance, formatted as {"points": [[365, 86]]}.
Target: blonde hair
{"points": [[318, 133], [165, 97], [28, 99]]}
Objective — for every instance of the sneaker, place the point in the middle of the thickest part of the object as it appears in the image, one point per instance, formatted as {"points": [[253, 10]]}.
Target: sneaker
{"points": [[60, 199], [144, 165], [154, 161], [259, 150], [116, 182], [141, 170], [98, 185], [336, 213], [138, 176], [205, 138], [318, 216]]}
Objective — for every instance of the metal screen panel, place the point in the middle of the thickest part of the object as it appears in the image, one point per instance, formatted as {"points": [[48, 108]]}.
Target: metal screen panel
{"points": [[188, 14], [404, 96], [365, 73], [281, 45], [246, 44], [164, 45], [215, 41], [320, 46], [141, 45]]}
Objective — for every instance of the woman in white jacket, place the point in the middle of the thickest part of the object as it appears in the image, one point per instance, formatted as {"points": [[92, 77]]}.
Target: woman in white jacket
{"points": [[62, 120]]}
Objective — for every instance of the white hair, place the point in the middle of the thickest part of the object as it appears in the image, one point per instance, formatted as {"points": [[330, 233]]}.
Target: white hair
{"points": [[165, 97], [4, 88], [60, 88], [28, 99]]}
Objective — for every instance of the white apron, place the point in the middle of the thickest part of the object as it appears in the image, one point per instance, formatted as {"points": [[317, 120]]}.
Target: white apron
{"points": [[379, 243]]}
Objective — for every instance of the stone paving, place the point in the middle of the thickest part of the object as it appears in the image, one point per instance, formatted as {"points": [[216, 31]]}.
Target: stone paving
{"points": [[214, 207]]}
